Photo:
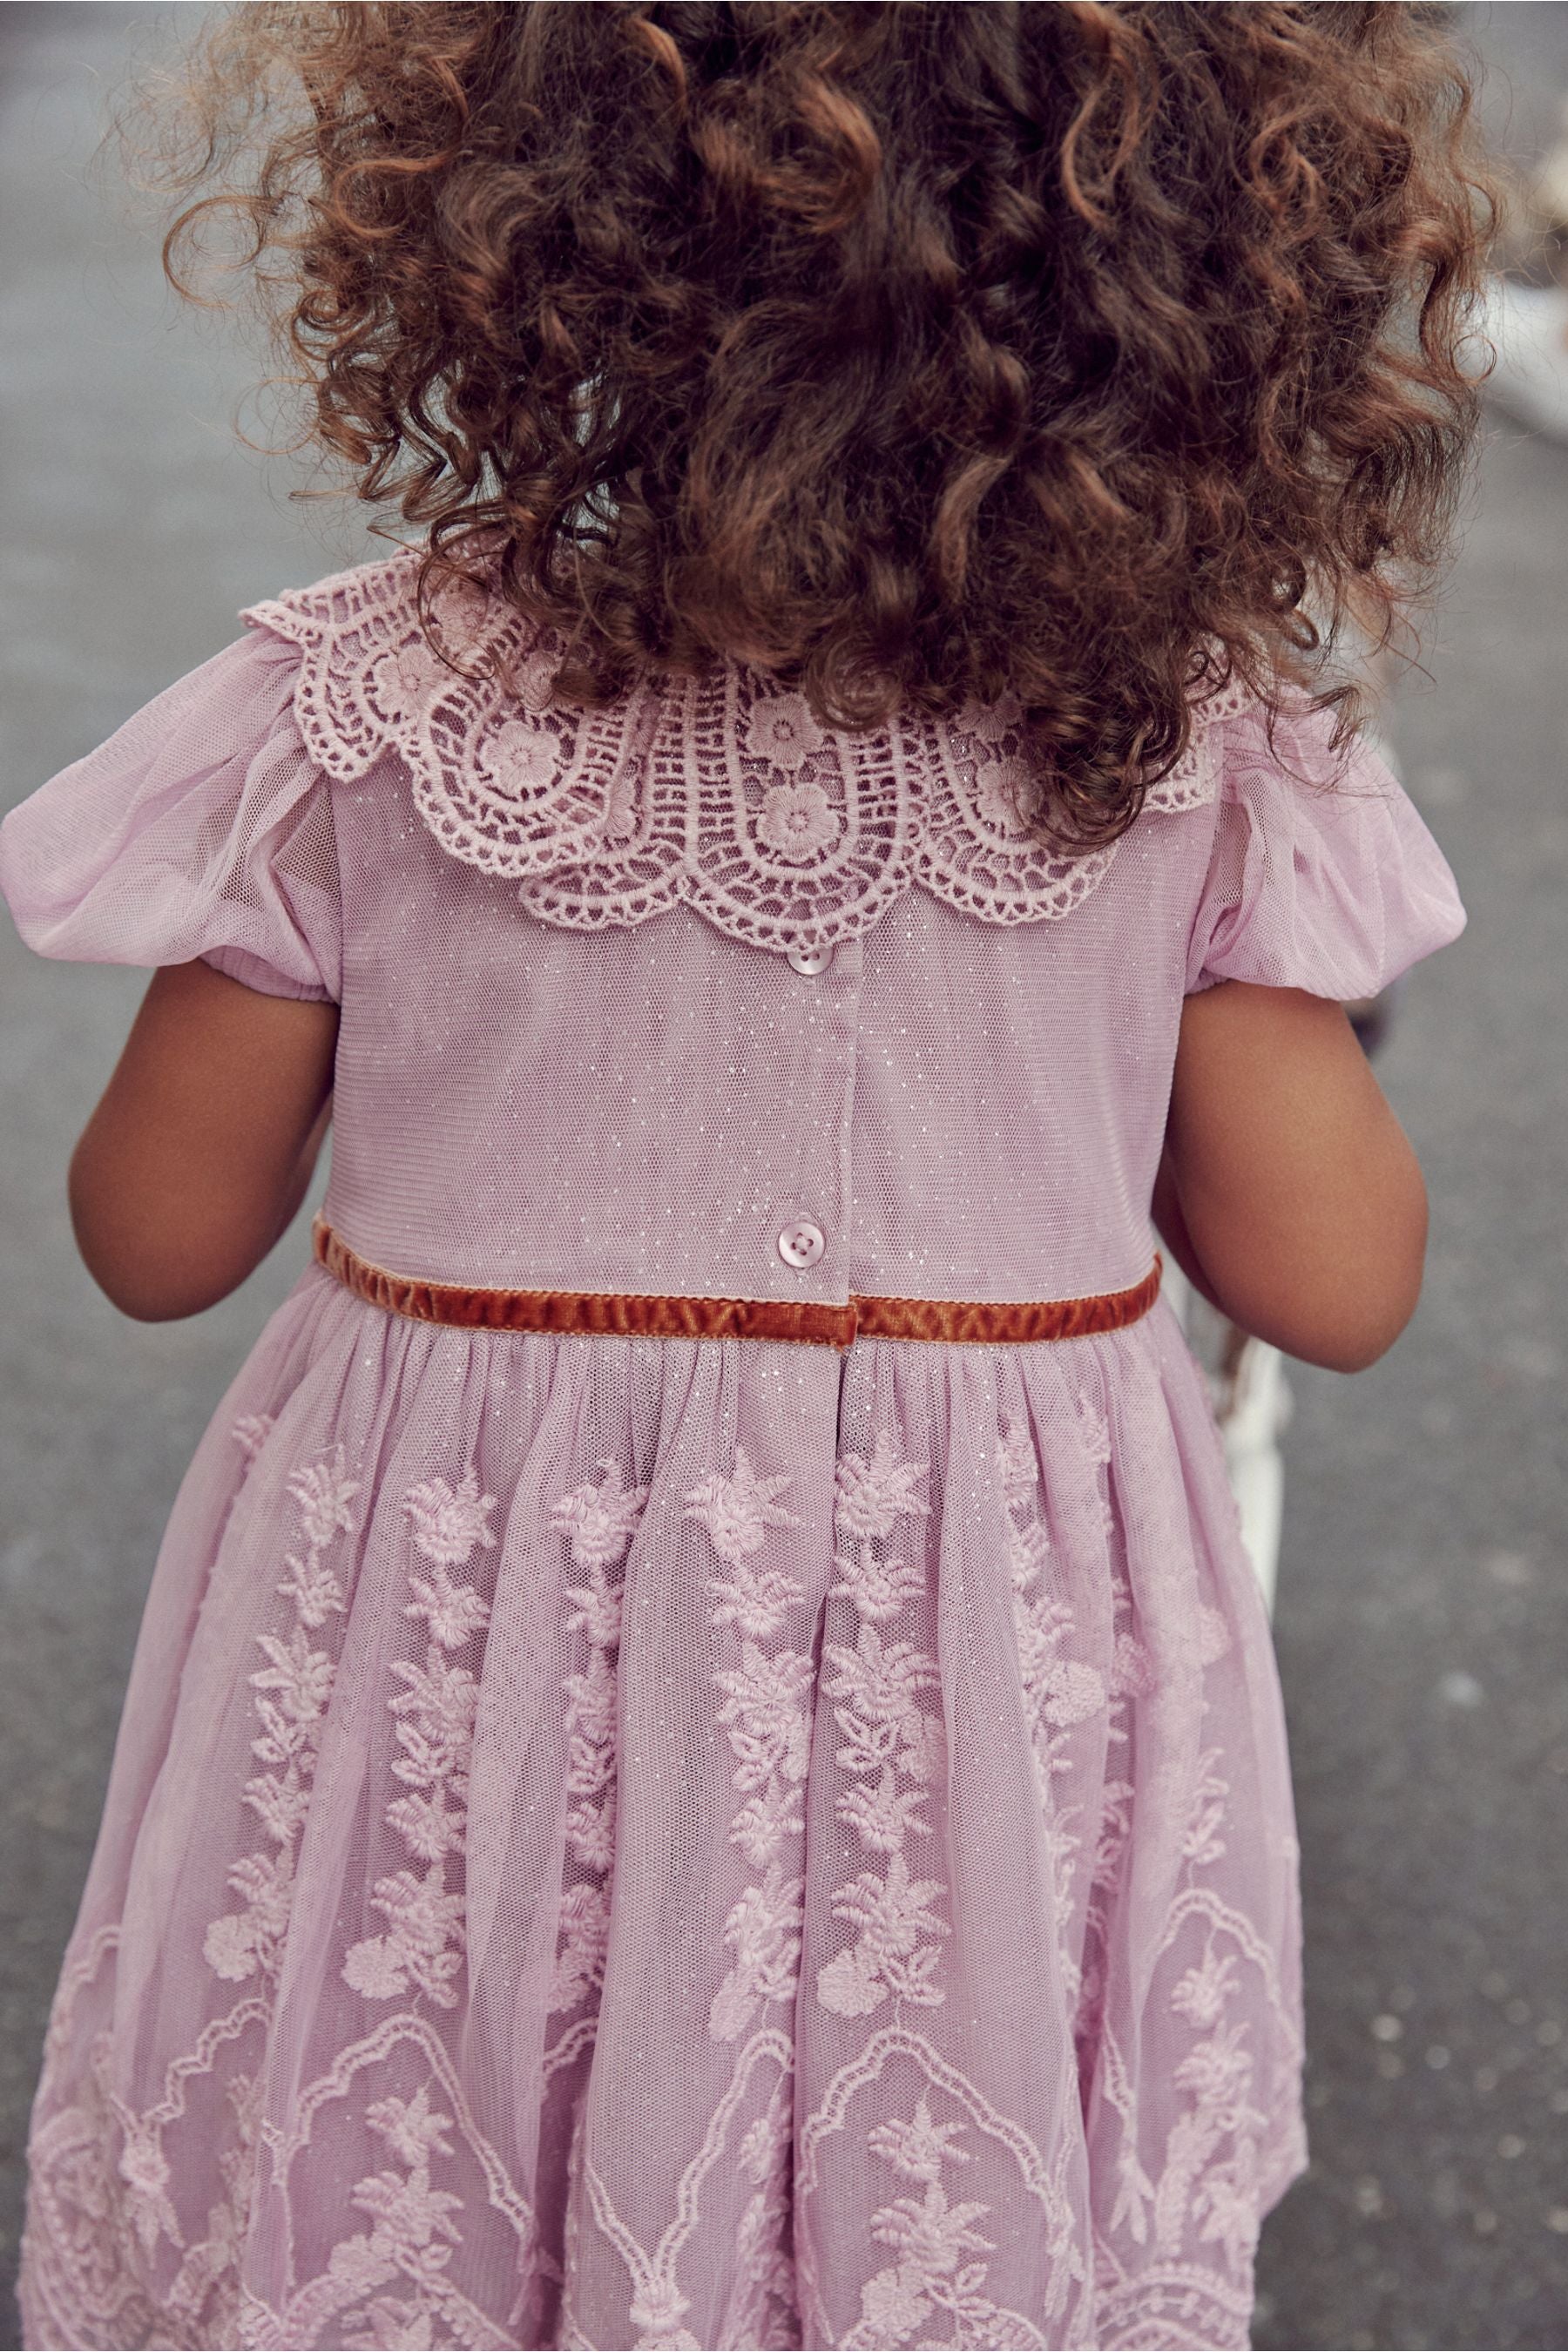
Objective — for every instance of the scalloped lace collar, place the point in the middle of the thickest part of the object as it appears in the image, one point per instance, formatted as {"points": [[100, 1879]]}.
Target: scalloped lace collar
{"points": [[724, 792]]}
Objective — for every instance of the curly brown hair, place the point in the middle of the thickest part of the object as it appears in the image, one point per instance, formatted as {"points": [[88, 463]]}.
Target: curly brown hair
{"points": [[904, 350]]}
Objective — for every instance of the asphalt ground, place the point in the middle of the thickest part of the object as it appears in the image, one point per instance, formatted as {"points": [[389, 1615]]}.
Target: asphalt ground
{"points": [[1422, 1620]]}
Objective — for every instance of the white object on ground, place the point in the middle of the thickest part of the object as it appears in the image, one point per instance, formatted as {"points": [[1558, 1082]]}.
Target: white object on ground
{"points": [[1252, 1406], [1259, 1408]]}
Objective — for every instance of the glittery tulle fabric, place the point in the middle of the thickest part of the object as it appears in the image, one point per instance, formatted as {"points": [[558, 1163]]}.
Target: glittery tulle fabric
{"points": [[691, 1843]]}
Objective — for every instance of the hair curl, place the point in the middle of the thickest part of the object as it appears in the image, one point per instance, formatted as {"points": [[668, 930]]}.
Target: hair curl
{"points": [[1094, 352]]}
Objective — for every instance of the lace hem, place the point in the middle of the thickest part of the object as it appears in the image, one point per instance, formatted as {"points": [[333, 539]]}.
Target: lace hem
{"points": [[724, 792]]}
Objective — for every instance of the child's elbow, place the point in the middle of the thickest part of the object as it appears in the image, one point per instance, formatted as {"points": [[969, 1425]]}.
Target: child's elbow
{"points": [[1348, 1319], [1355, 1344], [140, 1284], [154, 1269], [148, 1297]]}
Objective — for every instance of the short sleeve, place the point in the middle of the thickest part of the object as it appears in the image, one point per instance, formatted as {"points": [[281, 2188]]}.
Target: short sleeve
{"points": [[202, 829], [1323, 876]]}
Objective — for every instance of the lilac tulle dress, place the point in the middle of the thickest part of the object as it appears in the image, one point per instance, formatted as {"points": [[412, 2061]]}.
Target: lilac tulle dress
{"points": [[691, 1842]]}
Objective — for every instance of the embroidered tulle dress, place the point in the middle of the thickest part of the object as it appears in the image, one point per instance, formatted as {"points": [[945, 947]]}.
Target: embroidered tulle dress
{"points": [[700, 1841]]}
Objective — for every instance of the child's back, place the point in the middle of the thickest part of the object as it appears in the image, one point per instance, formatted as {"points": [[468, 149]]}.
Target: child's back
{"points": [[705, 1765]]}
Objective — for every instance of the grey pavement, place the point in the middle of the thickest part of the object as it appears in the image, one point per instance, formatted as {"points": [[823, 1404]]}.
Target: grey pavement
{"points": [[1422, 1621]]}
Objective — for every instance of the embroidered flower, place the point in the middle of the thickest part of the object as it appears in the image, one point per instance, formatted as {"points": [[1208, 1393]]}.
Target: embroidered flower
{"points": [[867, 1497], [1132, 1671], [657, 2310], [142, 2163], [526, 759], [765, 2143], [251, 1432], [448, 1522], [1211, 1636], [430, 1826], [771, 1729], [850, 1986], [591, 1830], [1028, 1545], [592, 1694], [763, 1931], [1225, 2202], [453, 1611], [442, 1700], [1218, 2070], [1072, 1691], [323, 1493], [883, 1680], [782, 728], [768, 1723], [600, 1520], [738, 1512], [424, 1922], [879, 1587], [1006, 794], [435, 1711], [797, 820], [599, 1610], [584, 1925], [1202, 1843], [765, 1823], [892, 1911], [920, 2148], [280, 1805], [1200, 1996], [884, 1816], [412, 2128], [1015, 1463], [1095, 1430], [312, 1586], [230, 1947], [990, 722], [406, 676], [1115, 1825], [893, 2305], [414, 2228], [755, 1598], [886, 1732], [303, 1677], [931, 2232], [1057, 1692]]}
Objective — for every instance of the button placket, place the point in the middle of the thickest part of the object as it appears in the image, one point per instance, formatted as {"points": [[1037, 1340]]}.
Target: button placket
{"points": [[807, 1224]]}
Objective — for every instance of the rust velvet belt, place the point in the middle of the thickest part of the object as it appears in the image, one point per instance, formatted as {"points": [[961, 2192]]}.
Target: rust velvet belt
{"points": [[620, 1314]]}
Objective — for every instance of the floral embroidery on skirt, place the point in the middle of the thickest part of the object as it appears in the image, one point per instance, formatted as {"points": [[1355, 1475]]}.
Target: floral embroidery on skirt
{"points": [[682, 1844]]}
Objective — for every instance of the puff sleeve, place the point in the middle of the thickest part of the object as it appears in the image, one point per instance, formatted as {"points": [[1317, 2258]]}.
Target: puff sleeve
{"points": [[202, 829], [1334, 884]]}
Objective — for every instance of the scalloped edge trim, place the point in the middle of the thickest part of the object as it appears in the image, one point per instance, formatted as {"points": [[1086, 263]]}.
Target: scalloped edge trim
{"points": [[314, 620]]}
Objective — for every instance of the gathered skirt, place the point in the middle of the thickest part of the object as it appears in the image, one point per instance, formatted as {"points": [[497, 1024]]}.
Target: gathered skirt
{"points": [[682, 1843]]}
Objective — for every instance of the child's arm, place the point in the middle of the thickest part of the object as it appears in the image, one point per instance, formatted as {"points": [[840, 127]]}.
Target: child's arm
{"points": [[1288, 1191], [201, 1148]]}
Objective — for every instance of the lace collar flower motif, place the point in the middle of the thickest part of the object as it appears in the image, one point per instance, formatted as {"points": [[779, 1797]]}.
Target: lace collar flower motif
{"points": [[725, 792]]}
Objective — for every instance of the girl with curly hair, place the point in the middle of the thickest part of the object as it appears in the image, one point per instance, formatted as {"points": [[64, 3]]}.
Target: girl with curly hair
{"points": [[704, 1765]]}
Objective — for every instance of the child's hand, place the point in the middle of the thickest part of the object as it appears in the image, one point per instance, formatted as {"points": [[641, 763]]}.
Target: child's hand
{"points": [[203, 1147], [1288, 1193]]}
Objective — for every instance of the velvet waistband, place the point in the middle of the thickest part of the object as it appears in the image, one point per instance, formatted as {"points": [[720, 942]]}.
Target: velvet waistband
{"points": [[640, 1315]]}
